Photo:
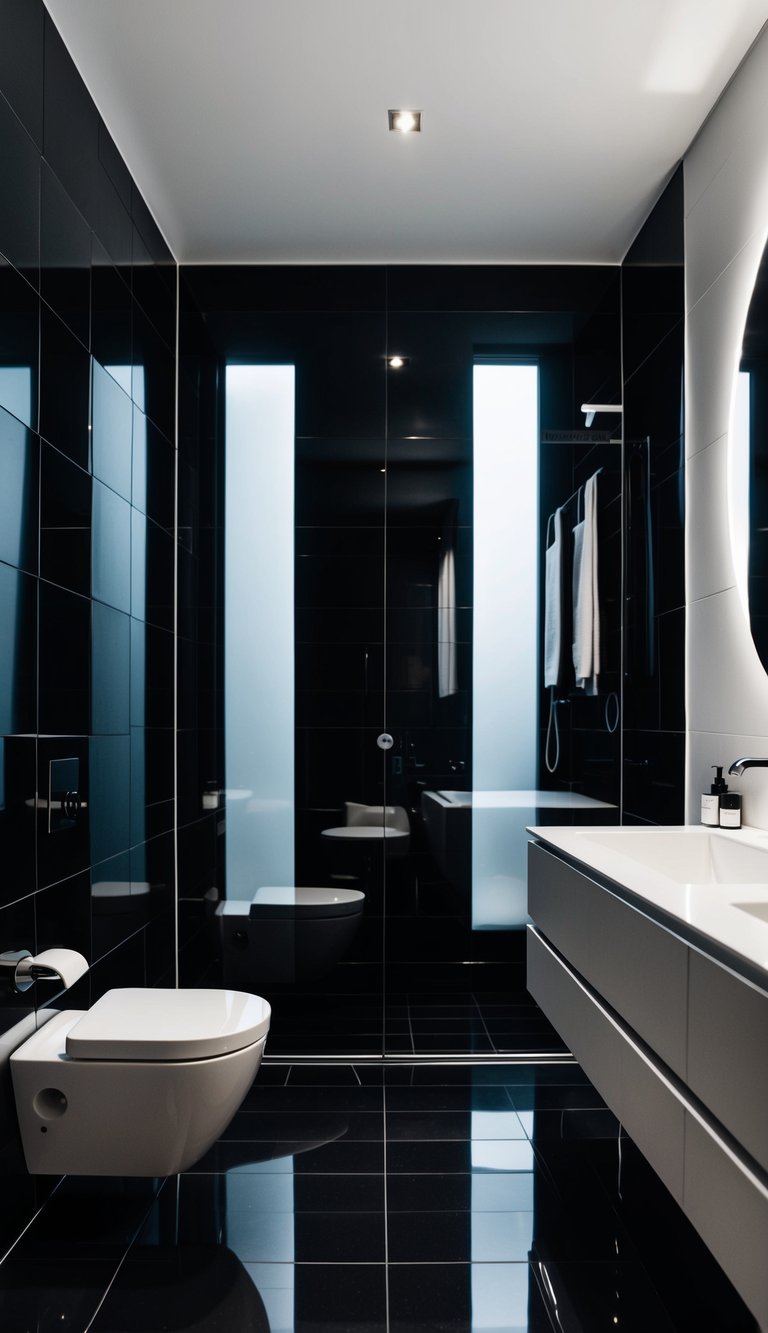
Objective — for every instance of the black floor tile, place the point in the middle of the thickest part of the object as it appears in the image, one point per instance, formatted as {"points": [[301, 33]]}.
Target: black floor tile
{"points": [[89, 1217], [413, 1126], [293, 1098], [451, 1297], [430, 1044], [460, 1237], [182, 1287], [339, 1193], [324, 1043], [401, 1045], [323, 1157], [443, 1012], [272, 1075], [429, 1238], [561, 1096], [40, 1296], [320, 1022], [339, 1298], [529, 1043], [314, 1076], [570, 1123], [439, 1157], [442, 1098], [457, 1026], [336, 1238], [301, 1127]]}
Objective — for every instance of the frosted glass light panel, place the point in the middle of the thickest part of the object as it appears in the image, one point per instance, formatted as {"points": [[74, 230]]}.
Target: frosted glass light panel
{"points": [[258, 627], [504, 638]]}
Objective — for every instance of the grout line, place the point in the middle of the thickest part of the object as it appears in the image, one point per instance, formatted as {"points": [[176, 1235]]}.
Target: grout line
{"points": [[386, 1206], [410, 1024], [494, 1047]]}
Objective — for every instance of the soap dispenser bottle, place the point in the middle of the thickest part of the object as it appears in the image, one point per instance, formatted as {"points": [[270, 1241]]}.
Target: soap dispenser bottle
{"points": [[710, 801]]}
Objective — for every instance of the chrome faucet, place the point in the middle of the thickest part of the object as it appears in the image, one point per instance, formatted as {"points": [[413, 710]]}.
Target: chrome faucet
{"points": [[739, 765]]}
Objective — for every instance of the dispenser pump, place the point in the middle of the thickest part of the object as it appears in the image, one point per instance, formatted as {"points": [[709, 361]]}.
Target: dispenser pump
{"points": [[719, 785]]}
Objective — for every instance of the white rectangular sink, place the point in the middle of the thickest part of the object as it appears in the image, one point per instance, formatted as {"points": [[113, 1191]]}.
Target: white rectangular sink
{"points": [[758, 910], [687, 855]]}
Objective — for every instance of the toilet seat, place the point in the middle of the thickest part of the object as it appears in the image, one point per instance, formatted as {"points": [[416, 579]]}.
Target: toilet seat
{"points": [[155, 1024], [281, 904]]}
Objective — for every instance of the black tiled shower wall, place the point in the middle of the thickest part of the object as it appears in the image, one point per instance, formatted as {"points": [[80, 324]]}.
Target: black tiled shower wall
{"points": [[378, 453], [87, 483], [654, 605], [200, 643]]}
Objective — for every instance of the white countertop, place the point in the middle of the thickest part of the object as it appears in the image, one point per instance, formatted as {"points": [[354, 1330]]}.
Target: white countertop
{"points": [[518, 800], [653, 864]]}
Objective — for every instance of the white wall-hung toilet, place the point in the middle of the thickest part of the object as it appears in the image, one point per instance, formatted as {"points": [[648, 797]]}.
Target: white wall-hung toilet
{"points": [[285, 935], [141, 1084]]}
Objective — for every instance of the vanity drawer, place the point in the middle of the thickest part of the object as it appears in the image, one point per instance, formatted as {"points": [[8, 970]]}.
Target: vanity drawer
{"points": [[728, 1206], [728, 1051], [636, 1091], [639, 968]]}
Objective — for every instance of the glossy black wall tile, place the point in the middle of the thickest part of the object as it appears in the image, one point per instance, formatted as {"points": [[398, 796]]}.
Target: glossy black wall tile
{"points": [[20, 200], [21, 62], [110, 548], [71, 125], [19, 346], [654, 556], [65, 521], [64, 661], [65, 376], [18, 634], [110, 674], [111, 431], [153, 377], [110, 795], [111, 315], [18, 771], [65, 257], [86, 694], [19, 468]]}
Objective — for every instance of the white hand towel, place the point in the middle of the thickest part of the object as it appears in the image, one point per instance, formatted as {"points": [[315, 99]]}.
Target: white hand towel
{"points": [[553, 592], [586, 610]]}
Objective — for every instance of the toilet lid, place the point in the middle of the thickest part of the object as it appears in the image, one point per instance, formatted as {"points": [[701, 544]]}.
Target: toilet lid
{"points": [[291, 903], [155, 1024]]}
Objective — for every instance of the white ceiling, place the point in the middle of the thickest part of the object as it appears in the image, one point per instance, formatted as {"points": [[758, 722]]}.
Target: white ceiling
{"points": [[257, 129]]}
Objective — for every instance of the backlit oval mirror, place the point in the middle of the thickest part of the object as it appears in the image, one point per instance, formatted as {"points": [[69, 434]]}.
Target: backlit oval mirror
{"points": [[748, 481]]}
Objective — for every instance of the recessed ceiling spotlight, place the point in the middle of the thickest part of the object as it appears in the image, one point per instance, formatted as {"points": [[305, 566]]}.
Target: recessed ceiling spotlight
{"points": [[397, 362], [405, 122]]}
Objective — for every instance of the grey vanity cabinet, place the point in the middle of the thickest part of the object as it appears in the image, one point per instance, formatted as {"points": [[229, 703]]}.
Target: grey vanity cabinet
{"points": [[728, 1051], [677, 1044]]}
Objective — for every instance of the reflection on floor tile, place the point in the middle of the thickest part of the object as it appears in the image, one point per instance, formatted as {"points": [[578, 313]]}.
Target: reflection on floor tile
{"points": [[362, 1199]]}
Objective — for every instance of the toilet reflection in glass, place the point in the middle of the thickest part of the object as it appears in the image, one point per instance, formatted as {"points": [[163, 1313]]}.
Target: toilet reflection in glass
{"points": [[286, 935]]}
